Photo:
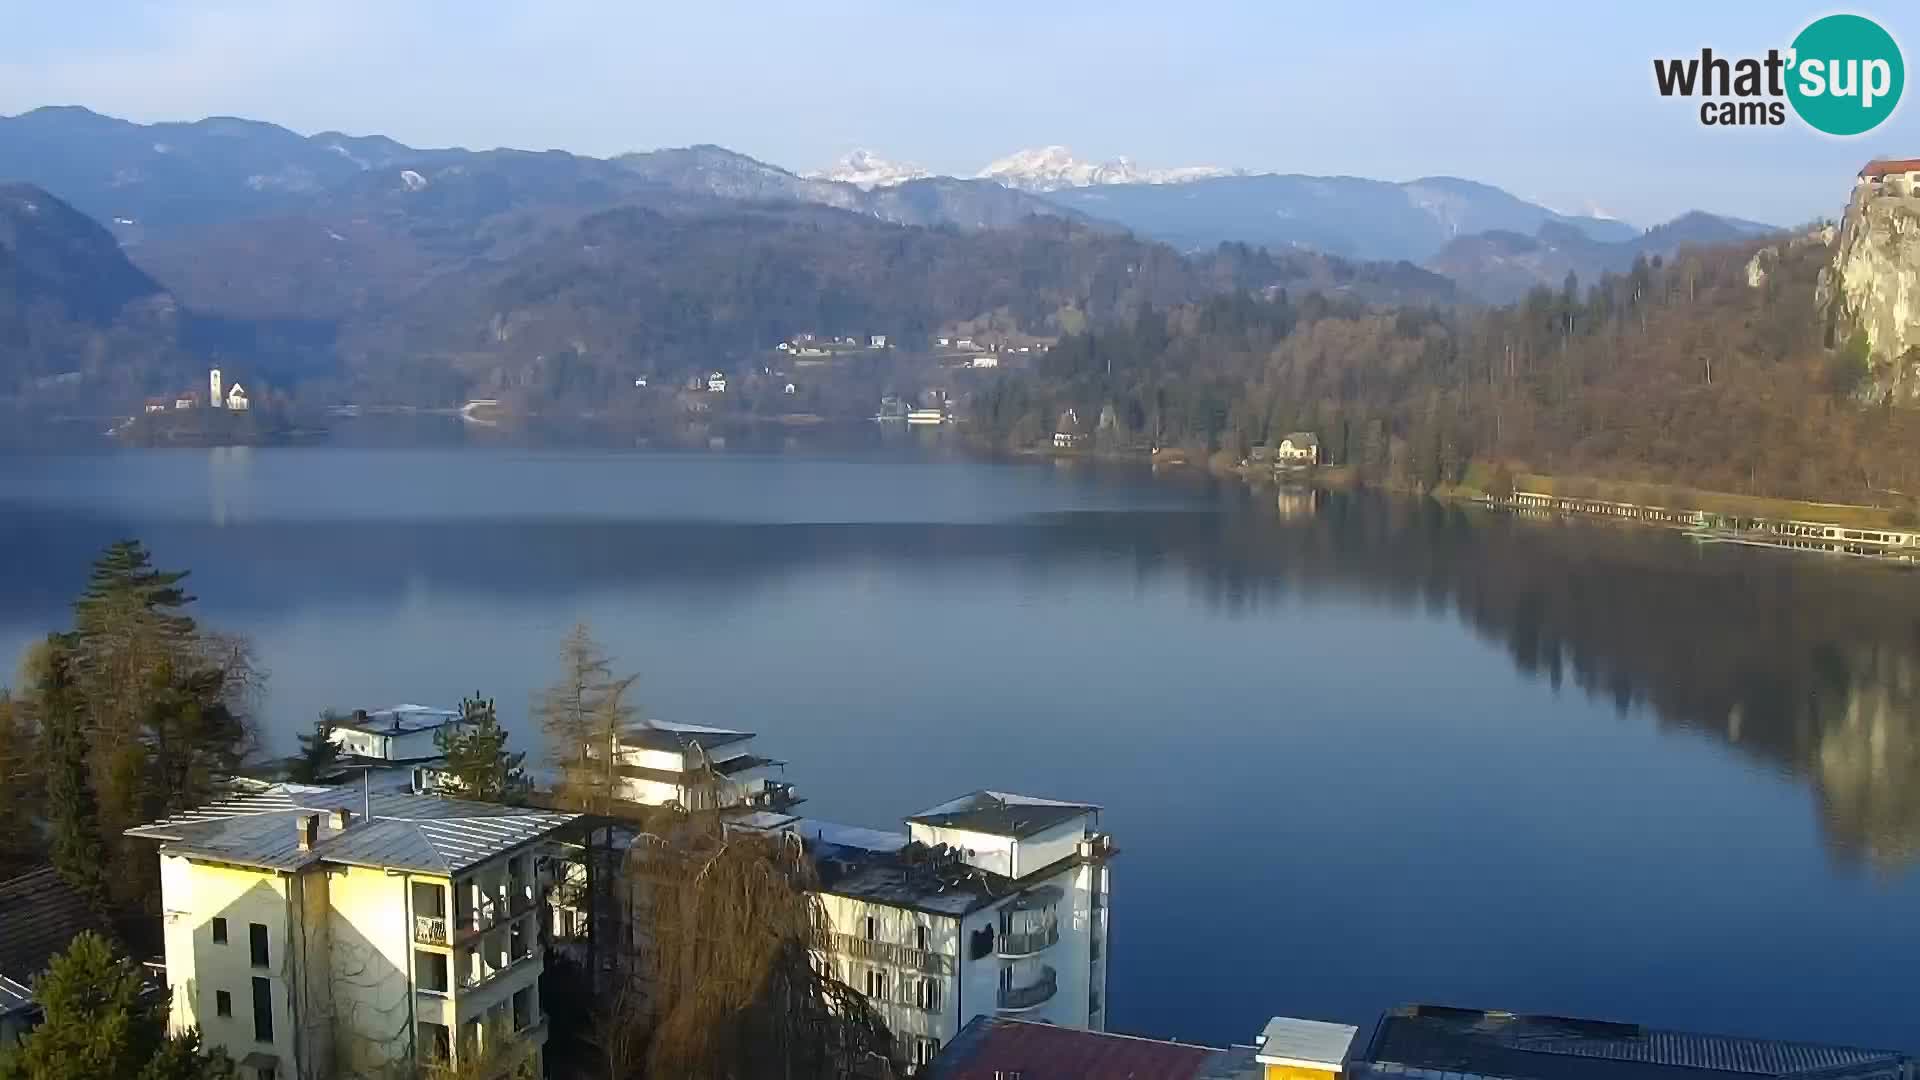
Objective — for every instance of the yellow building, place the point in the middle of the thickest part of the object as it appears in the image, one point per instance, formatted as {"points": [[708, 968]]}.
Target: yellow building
{"points": [[314, 934], [1292, 1049]]}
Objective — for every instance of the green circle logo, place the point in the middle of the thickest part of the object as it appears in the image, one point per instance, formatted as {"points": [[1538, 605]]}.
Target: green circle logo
{"points": [[1847, 75]]}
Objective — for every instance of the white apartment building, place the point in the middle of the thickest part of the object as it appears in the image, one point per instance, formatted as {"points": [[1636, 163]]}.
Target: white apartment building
{"points": [[313, 934], [992, 904], [700, 768]]}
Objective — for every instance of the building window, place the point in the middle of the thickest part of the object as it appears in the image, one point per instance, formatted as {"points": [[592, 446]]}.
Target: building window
{"points": [[257, 940], [430, 969], [927, 995], [434, 1042], [262, 1009], [222, 1003], [924, 1051], [876, 984], [920, 938], [219, 931], [523, 1009], [872, 926]]}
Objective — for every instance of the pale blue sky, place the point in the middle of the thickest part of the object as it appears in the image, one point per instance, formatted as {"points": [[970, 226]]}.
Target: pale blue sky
{"points": [[1554, 102]]}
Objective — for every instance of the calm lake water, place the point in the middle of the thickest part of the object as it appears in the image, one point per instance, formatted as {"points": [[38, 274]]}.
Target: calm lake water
{"points": [[1357, 751]]}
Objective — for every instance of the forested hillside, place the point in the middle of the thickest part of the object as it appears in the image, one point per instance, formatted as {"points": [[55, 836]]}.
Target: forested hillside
{"points": [[1677, 371], [632, 292]]}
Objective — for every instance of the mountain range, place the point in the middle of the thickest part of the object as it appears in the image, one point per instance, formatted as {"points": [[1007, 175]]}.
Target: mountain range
{"points": [[1047, 168], [131, 252], [138, 178]]}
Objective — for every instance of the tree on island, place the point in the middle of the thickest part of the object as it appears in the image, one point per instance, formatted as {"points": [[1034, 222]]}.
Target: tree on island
{"points": [[479, 766], [583, 714], [100, 1022]]}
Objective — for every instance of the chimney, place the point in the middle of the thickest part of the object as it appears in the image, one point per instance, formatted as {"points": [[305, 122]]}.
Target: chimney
{"points": [[342, 818], [307, 826]]}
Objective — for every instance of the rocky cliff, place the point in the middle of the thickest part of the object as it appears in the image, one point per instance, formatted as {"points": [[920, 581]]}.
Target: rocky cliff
{"points": [[1870, 291]]}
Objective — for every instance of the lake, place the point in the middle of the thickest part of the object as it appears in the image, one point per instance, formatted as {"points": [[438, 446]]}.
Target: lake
{"points": [[1356, 750]]}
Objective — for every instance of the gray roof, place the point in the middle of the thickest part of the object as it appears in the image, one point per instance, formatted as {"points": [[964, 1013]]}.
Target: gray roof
{"points": [[401, 720], [999, 813], [422, 833], [1302, 438], [1287, 1040], [675, 738], [39, 916], [1499, 1044]]}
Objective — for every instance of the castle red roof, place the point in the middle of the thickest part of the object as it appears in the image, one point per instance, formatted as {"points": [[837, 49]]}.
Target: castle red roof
{"points": [[1889, 167], [993, 1047]]}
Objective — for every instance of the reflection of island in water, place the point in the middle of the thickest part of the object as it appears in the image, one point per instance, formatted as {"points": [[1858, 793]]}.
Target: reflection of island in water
{"points": [[1812, 666]]}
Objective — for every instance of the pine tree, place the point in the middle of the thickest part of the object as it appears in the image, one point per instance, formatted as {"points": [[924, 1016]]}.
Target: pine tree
{"points": [[72, 811], [99, 1023], [318, 752], [22, 787], [156, 702], [479, 766]]}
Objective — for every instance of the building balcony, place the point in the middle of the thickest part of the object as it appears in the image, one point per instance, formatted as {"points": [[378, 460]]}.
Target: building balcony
{"points": [[885, 952], [1031, 996], [1017, 943], [430, 929]]}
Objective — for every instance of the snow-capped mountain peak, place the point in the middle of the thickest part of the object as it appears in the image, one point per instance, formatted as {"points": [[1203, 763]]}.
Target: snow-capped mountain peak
{"points": [[868, 170], [1050, 168]]}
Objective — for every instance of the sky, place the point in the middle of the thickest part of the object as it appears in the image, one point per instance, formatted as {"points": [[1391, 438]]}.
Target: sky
{"points": [[1553, 102]]}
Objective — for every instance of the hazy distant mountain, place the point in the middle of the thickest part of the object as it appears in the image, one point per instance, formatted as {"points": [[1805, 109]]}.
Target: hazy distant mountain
{"points": [[868, 170], [128, 175], [1342, 215], [142, 178], [1051, 168], [1502, 265]]}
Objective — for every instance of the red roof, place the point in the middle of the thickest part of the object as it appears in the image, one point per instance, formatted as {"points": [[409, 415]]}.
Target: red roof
{"points": [[1895, 165], [992, 1047]]}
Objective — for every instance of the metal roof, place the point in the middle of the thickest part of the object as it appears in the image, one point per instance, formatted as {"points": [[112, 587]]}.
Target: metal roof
{"points": [[423, 833], [39, 916], [14, 997], [1306, 1043], [1497, 1044], [1000, 813], [991, 1048], [673, 738], [401, 720]]}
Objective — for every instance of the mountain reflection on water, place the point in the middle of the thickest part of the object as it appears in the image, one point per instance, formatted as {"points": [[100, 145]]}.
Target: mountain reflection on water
{"points": [[1806, 663], [1430, 752]]}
